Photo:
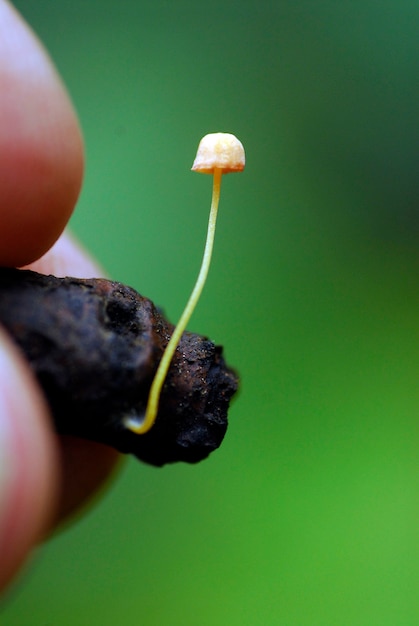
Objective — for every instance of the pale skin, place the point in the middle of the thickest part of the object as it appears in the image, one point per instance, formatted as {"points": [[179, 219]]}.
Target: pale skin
{"points": [[43, 478]]}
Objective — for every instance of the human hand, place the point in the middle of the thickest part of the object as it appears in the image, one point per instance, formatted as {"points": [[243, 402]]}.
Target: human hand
{"points": [[43, 477]]}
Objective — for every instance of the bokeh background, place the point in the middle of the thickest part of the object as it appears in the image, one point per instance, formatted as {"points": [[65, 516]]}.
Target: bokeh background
{"points": [[308, 514]]}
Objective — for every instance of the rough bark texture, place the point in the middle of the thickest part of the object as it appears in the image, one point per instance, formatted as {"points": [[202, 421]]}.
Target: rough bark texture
{"points": [[95, 345]]}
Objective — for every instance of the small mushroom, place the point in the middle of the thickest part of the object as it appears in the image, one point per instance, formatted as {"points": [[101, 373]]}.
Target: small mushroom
{"points": [[218, 154]]}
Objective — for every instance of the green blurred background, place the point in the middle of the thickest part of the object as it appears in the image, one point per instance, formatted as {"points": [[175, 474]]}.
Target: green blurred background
{"points": [[308, 514]]}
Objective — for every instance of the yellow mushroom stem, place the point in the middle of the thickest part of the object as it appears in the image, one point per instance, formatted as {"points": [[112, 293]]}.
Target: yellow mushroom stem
{"points": [[160, 376]]}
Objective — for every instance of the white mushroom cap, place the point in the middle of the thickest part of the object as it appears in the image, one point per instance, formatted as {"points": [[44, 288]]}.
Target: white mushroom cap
{"points": [[219, 150]]}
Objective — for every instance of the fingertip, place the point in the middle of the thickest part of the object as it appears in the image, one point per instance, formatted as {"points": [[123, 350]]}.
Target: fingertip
{"points": [[41, 148], [29, 468], [87, 468], [67, 257]]}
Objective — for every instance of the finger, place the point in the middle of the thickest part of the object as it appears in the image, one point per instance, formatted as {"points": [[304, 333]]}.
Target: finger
{"points": [[41, 153], [28, 463], [85, 465], [67, 257], [86, 468]]}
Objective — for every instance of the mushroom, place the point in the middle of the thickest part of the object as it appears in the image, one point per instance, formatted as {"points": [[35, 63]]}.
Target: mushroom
{"points": [[218, 154]]}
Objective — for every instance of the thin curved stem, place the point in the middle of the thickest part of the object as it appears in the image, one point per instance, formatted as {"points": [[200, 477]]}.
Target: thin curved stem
{"points": [[160, 376]]}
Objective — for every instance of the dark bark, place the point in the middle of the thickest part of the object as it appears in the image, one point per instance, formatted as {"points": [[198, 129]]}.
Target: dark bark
{"points": [[94, 346]]}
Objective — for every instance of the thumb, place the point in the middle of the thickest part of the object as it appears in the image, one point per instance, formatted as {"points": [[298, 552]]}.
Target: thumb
{"points": [[41, 151], [28, 467]]}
